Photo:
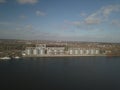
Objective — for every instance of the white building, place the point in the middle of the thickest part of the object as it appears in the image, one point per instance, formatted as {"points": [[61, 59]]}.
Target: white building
{"points": [[92, 51], [87, 51], [83, 51], [55, 50], [41, 49], [74, 51], [36, 51], [96, 51]]}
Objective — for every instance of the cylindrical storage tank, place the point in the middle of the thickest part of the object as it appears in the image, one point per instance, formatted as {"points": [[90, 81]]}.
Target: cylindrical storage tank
{"points": [[81, 51], [71, 51], [84, 51], [42, 51], [76, 51], [34, 51], [49, 51], [61, 51], [87, 51], [37, 51], [96, 51], [92, 51], [55, 51], [28, 51]]}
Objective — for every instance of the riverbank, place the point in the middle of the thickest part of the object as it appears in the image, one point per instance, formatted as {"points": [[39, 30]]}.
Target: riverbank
{"points": [[62, 55]]}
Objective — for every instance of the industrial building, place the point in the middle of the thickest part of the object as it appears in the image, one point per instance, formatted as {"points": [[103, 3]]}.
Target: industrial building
{"points": [[83, 51], [55, 50], [36, 51], [42, 49]]}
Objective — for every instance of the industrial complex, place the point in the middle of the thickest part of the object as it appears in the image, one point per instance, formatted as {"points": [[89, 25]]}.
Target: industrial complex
{"points": [[37, 48], [44, 50]]}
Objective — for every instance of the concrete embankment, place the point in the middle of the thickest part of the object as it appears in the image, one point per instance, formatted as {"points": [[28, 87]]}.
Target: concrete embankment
{"points": [[61, 55]]}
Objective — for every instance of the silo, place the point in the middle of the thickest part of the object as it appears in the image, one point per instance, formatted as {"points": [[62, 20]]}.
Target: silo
{"points": [[49, 51], [61, 51], [92, 51], [87, 51], [76, 51], [97, 51], [29, 51], [71, 51], [37, 51], [81, 52], [42, 51], [34, 51], [84, 51], [55, 51]]}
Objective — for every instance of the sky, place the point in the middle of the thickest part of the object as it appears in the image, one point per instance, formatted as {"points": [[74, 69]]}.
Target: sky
{"points": [[71, 20]]}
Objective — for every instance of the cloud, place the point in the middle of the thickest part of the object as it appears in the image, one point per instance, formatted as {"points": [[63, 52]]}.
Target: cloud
{"points": [[40, 13], [83, 14], [92, 20], [6, 23], [102, 14], [116, 22], [109, 9], [3, 1], [27, 31], [27, 1], [22, 16], [29, 27], [97, 17], [74, 23]]}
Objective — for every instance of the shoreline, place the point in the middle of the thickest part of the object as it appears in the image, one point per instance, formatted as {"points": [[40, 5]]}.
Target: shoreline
{"points": [[43, 56], [64, 55]]}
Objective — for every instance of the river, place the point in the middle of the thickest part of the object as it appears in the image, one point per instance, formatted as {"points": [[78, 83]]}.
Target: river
{"points": [[61, 73]]}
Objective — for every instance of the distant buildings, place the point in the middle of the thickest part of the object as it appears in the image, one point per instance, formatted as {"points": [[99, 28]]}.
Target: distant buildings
{"points": [[55, 50], [83, 51], [36, 51], [43, 50]]}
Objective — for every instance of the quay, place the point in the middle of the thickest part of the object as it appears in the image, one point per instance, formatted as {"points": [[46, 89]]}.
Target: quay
{"points": [[64, 55]]}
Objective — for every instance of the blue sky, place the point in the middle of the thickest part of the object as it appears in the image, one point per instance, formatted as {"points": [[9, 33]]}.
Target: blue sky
{"points": [[74, 20]]}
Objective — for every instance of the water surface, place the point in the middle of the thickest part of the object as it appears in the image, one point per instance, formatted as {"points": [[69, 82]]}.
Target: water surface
{"points": [[61, 73]]}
